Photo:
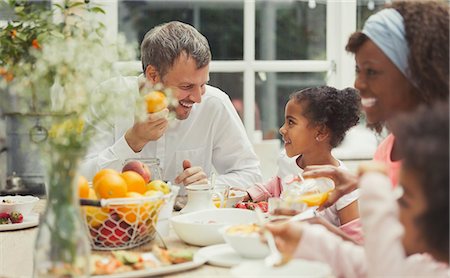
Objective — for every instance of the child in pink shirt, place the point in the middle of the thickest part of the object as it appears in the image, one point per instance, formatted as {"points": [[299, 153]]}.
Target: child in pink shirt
{"points": [[408, 238], [316, 120]]}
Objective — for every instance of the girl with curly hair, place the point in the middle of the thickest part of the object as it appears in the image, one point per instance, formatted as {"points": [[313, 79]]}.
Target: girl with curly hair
{"points": [[402, 61], [407, 233], [316, 120]]}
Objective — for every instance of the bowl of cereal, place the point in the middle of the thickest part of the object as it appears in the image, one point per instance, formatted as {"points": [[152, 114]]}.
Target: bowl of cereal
{"points": [[245, 240]]}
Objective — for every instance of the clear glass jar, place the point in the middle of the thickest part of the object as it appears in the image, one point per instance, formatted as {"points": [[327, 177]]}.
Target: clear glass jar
{"points": [[152, 164], [62, 247]]}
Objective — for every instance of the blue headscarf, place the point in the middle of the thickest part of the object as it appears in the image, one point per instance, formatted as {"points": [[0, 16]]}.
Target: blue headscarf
{"points": [[387, 31]]}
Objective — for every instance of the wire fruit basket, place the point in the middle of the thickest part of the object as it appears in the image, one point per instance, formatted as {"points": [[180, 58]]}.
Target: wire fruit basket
{"points": [[122, 223]]}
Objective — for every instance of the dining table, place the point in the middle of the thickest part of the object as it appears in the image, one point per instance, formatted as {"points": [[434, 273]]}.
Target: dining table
{"points": [[17, 249]]}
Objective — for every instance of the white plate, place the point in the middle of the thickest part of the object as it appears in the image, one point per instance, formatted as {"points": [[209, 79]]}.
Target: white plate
{"points": [[222, 255], [30, 220], [196, 262], [296, 267]]}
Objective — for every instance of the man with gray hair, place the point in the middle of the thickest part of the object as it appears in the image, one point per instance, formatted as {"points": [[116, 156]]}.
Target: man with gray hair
{"points": [[207, 133]]}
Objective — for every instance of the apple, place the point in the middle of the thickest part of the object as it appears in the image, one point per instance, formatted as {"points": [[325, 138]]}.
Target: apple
{"points": [[159, 185], [138, 167]]}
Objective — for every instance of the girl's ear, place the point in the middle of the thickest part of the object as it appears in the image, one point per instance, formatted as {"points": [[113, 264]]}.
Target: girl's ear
{"points": [[152, 75], [322, 133]]}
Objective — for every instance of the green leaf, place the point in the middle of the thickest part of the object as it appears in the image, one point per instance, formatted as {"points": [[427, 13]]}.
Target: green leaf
{"points": [[97, 10], [76, 4]]}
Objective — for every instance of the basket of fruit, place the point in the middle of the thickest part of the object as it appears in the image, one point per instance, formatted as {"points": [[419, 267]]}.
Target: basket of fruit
{"points": [[121, 209]]}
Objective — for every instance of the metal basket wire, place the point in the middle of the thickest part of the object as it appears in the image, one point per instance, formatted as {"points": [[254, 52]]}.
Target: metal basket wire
{"points": [[123, 223]]}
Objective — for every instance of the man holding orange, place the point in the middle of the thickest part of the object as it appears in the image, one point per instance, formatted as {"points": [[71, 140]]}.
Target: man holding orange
{"points": [[207, 133]]}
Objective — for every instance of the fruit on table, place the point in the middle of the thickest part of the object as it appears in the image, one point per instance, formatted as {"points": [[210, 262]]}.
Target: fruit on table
{"points": [[159, 185], [263, 205], [156, 101], [83, 187], [135, 182], [4, 218], [100, 175], [138, 167], [130, 212], [111, 186], [16, 217], [95, 216]]}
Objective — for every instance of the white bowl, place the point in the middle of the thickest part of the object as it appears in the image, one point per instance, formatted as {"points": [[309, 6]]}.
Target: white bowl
{"points": [[201, 228], [22, 204], [233, 200], [248, 245]]}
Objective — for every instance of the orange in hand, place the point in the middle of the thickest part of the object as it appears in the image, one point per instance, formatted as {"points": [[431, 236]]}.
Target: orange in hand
{"points": [[156, 101], [135, 182], [111, 186]]}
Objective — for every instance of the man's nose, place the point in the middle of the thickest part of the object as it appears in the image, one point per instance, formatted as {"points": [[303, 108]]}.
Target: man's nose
{"points": [[196, 94]]}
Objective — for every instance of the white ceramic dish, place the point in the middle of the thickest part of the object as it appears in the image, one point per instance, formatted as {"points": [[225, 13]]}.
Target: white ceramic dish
{"points": [[201, 228], [247, 245], [22, 204], [295, 268], [196, 262], [222, 255], [237, 197], [30, 220]]}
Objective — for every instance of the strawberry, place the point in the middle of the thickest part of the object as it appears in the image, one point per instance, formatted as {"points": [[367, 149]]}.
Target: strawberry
{"points": [[240, 205], [4, 218], [250, 205], [263, 205], [16, 217]]}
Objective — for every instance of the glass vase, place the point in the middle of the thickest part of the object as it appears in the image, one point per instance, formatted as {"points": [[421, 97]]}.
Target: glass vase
{"points": [[62, 247]]}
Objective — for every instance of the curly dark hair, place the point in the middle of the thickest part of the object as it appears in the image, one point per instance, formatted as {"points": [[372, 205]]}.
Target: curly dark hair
{"points": [[424, 144], [337, 109], [427, 33]]}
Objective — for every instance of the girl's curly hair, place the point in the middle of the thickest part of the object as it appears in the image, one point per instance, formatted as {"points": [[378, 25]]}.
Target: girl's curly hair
{"points": [[337, 109], [424, 144], [427, 33]]}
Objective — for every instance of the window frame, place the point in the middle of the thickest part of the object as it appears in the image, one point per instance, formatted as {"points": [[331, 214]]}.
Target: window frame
{"points": [[341, 20]]}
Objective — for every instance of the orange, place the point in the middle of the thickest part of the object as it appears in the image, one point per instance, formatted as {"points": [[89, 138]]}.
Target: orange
{"points": [[130, 212], [111, 186], [83, 187], [315, 199], [95, 216], [100, 175], [156, 101], [135, 182]]}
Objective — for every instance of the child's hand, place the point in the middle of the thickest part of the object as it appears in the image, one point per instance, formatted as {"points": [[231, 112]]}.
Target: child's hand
{"points": [[372, 166], [344, 181], [287, 236]]}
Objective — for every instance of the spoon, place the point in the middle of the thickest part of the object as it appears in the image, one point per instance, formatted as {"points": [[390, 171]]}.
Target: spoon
{"points": [[213, 180], [275, 258]]}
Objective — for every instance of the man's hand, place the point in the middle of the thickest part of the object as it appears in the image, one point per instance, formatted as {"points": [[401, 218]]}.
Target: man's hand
{"points": [[149, 130], [191, 175], [344, 181]]}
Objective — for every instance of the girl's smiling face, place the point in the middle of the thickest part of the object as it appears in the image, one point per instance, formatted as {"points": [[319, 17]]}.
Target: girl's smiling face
{"points": [[384, 90], [297, 132]]}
